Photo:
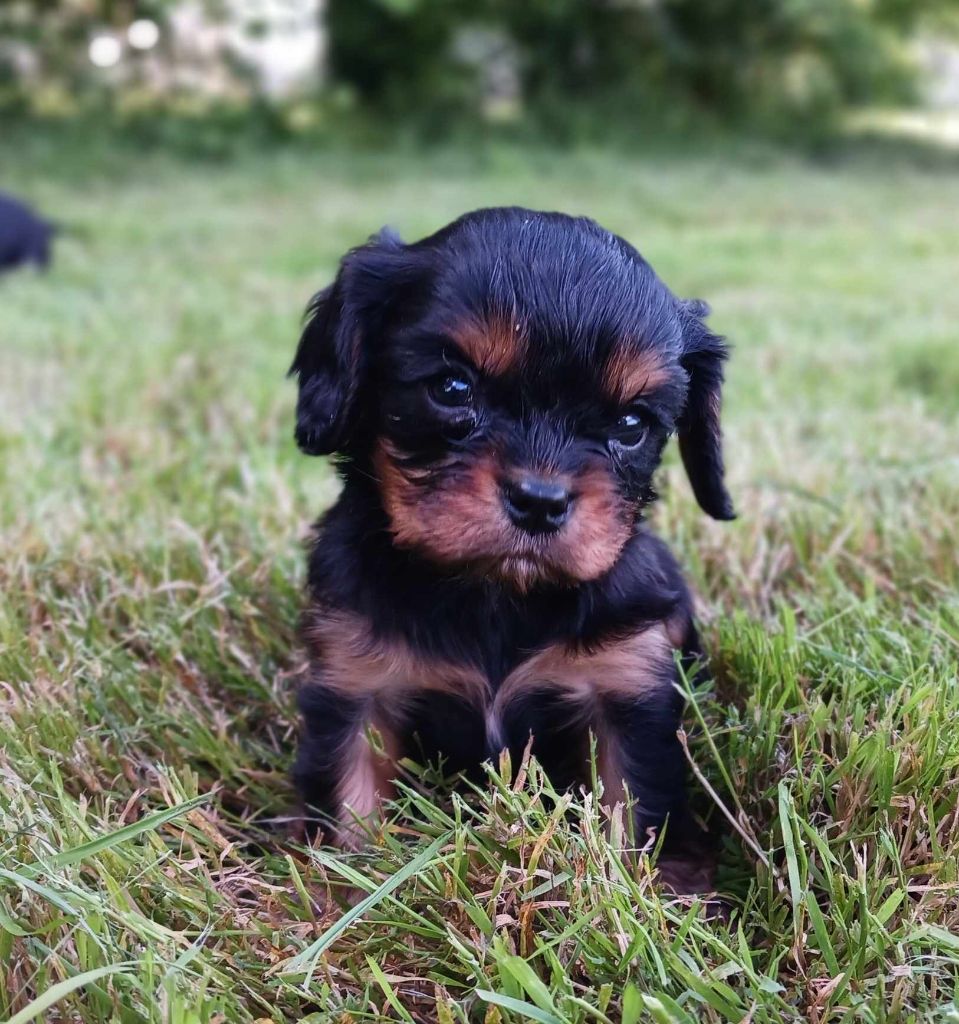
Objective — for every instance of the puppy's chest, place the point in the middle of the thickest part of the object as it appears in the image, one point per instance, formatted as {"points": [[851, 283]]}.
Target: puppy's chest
{"points": [[350, 657]]}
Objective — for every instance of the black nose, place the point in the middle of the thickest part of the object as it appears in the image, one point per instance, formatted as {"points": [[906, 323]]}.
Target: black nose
{"points": [[536, 505]]}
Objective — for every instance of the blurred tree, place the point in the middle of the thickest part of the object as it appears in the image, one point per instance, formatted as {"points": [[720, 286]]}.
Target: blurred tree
{"points": [[134, 51], [44, 44], [735, 58], [566, 61]]}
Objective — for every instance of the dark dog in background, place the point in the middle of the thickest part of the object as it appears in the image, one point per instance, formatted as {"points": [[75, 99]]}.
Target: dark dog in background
{"points": [[25, 238], [499, 395]]}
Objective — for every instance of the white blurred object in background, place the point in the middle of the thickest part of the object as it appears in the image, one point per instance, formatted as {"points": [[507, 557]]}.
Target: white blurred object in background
{"points": [[940, 61], [143, 34], [105, 51], [280, 43]]}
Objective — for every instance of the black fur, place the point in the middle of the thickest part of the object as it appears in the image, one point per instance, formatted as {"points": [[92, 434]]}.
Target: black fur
{"points": [[375, 344], [24, 237]]}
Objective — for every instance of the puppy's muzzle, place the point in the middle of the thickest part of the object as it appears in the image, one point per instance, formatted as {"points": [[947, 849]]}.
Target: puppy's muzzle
{"points": [[537, 505]]}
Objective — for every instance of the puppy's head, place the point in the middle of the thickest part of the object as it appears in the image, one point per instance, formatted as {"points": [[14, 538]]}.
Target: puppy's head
{"points": [[510, 383]]}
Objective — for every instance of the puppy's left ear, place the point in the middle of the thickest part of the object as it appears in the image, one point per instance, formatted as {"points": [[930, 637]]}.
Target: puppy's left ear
{"points": [[332, 356], [700, 434]]}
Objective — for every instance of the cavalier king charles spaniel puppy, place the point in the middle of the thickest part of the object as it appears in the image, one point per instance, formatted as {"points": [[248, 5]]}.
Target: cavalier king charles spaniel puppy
{"points": [[498, 397]]}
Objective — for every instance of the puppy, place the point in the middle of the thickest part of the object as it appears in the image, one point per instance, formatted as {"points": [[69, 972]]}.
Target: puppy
{"points": [[24, 237], [499, 396]]}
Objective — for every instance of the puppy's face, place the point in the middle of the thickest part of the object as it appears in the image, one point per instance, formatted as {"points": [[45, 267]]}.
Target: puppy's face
{"points": [[510, 384]]}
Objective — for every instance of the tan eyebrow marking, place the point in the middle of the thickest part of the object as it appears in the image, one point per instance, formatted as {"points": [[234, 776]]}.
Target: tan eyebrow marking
{"points": [[630, 372], [493, 346]]}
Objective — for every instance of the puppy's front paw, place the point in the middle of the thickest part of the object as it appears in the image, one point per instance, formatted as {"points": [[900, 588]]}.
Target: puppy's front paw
{"points": [[692, 873], [687, 873]]}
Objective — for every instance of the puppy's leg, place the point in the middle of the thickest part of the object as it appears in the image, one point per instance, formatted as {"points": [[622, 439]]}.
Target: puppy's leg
{"points": [[341, 776], [559, 730], [362, 680], [624, 690], [639, 755]]}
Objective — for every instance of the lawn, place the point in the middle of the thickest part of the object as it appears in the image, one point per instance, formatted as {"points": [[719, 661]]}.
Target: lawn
{"points": [[152, 513]]}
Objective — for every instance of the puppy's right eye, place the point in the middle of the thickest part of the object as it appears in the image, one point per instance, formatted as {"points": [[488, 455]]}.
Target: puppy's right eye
{"points": [[453, 391], [630, 430]]}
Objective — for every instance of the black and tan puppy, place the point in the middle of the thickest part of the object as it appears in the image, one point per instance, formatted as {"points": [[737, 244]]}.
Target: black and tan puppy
{"points": [[499, 395]]}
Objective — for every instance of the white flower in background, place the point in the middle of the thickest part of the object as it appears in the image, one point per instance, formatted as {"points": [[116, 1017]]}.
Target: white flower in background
{"points": [[143, 34], [105, 51]]}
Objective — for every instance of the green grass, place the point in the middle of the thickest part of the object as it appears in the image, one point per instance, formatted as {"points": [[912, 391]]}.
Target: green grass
{"points": [[152, 508]]}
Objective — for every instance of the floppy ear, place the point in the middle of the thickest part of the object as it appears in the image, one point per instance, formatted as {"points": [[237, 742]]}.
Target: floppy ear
{"points": [[700, 435], [331, 359]]}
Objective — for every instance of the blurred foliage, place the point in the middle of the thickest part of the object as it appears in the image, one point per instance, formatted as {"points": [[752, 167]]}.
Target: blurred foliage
{"points": [[565, 69], [44, 62], [764, 60]]}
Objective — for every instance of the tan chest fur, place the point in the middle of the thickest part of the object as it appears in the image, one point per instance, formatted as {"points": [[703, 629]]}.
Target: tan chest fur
{"points": [[351, 660]]}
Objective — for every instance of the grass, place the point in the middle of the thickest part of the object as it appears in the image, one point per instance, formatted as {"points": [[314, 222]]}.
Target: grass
{"points": [[152, 507]]}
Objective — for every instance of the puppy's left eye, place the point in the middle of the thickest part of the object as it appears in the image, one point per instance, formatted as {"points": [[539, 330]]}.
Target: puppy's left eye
{"points": [[452, 390], [630, 430]]}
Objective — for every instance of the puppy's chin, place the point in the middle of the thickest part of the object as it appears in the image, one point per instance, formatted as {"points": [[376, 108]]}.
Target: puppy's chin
{"points": [[524, 572], [519, 571], [453, 515]]}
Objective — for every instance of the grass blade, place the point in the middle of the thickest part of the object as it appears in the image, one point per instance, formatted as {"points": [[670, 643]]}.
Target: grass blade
{"points": [[519, 1006], [316, 948], [122, 835], [530, 982], [55, 993], [388, 991]]}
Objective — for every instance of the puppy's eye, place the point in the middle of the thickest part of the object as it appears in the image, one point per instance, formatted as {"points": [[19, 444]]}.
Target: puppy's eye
{"points": [[453, 391], [630, 430]]}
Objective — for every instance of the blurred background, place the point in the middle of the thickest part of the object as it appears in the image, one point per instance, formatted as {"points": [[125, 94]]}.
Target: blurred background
{"points": [[565, 70]]}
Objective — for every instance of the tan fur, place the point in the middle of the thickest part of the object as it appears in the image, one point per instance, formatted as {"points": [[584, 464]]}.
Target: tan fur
{"points": [[456, 516], [610, 767], [677, 628], [367, 782], [348, 658], [597, 530], [493, 346], [352, 660], [631, 372], [459, 518], [628, 667], [692, 875]]}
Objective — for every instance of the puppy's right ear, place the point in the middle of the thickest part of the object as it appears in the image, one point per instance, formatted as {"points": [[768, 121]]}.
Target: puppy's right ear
{"points": [[331, 359], [700, 435]]}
